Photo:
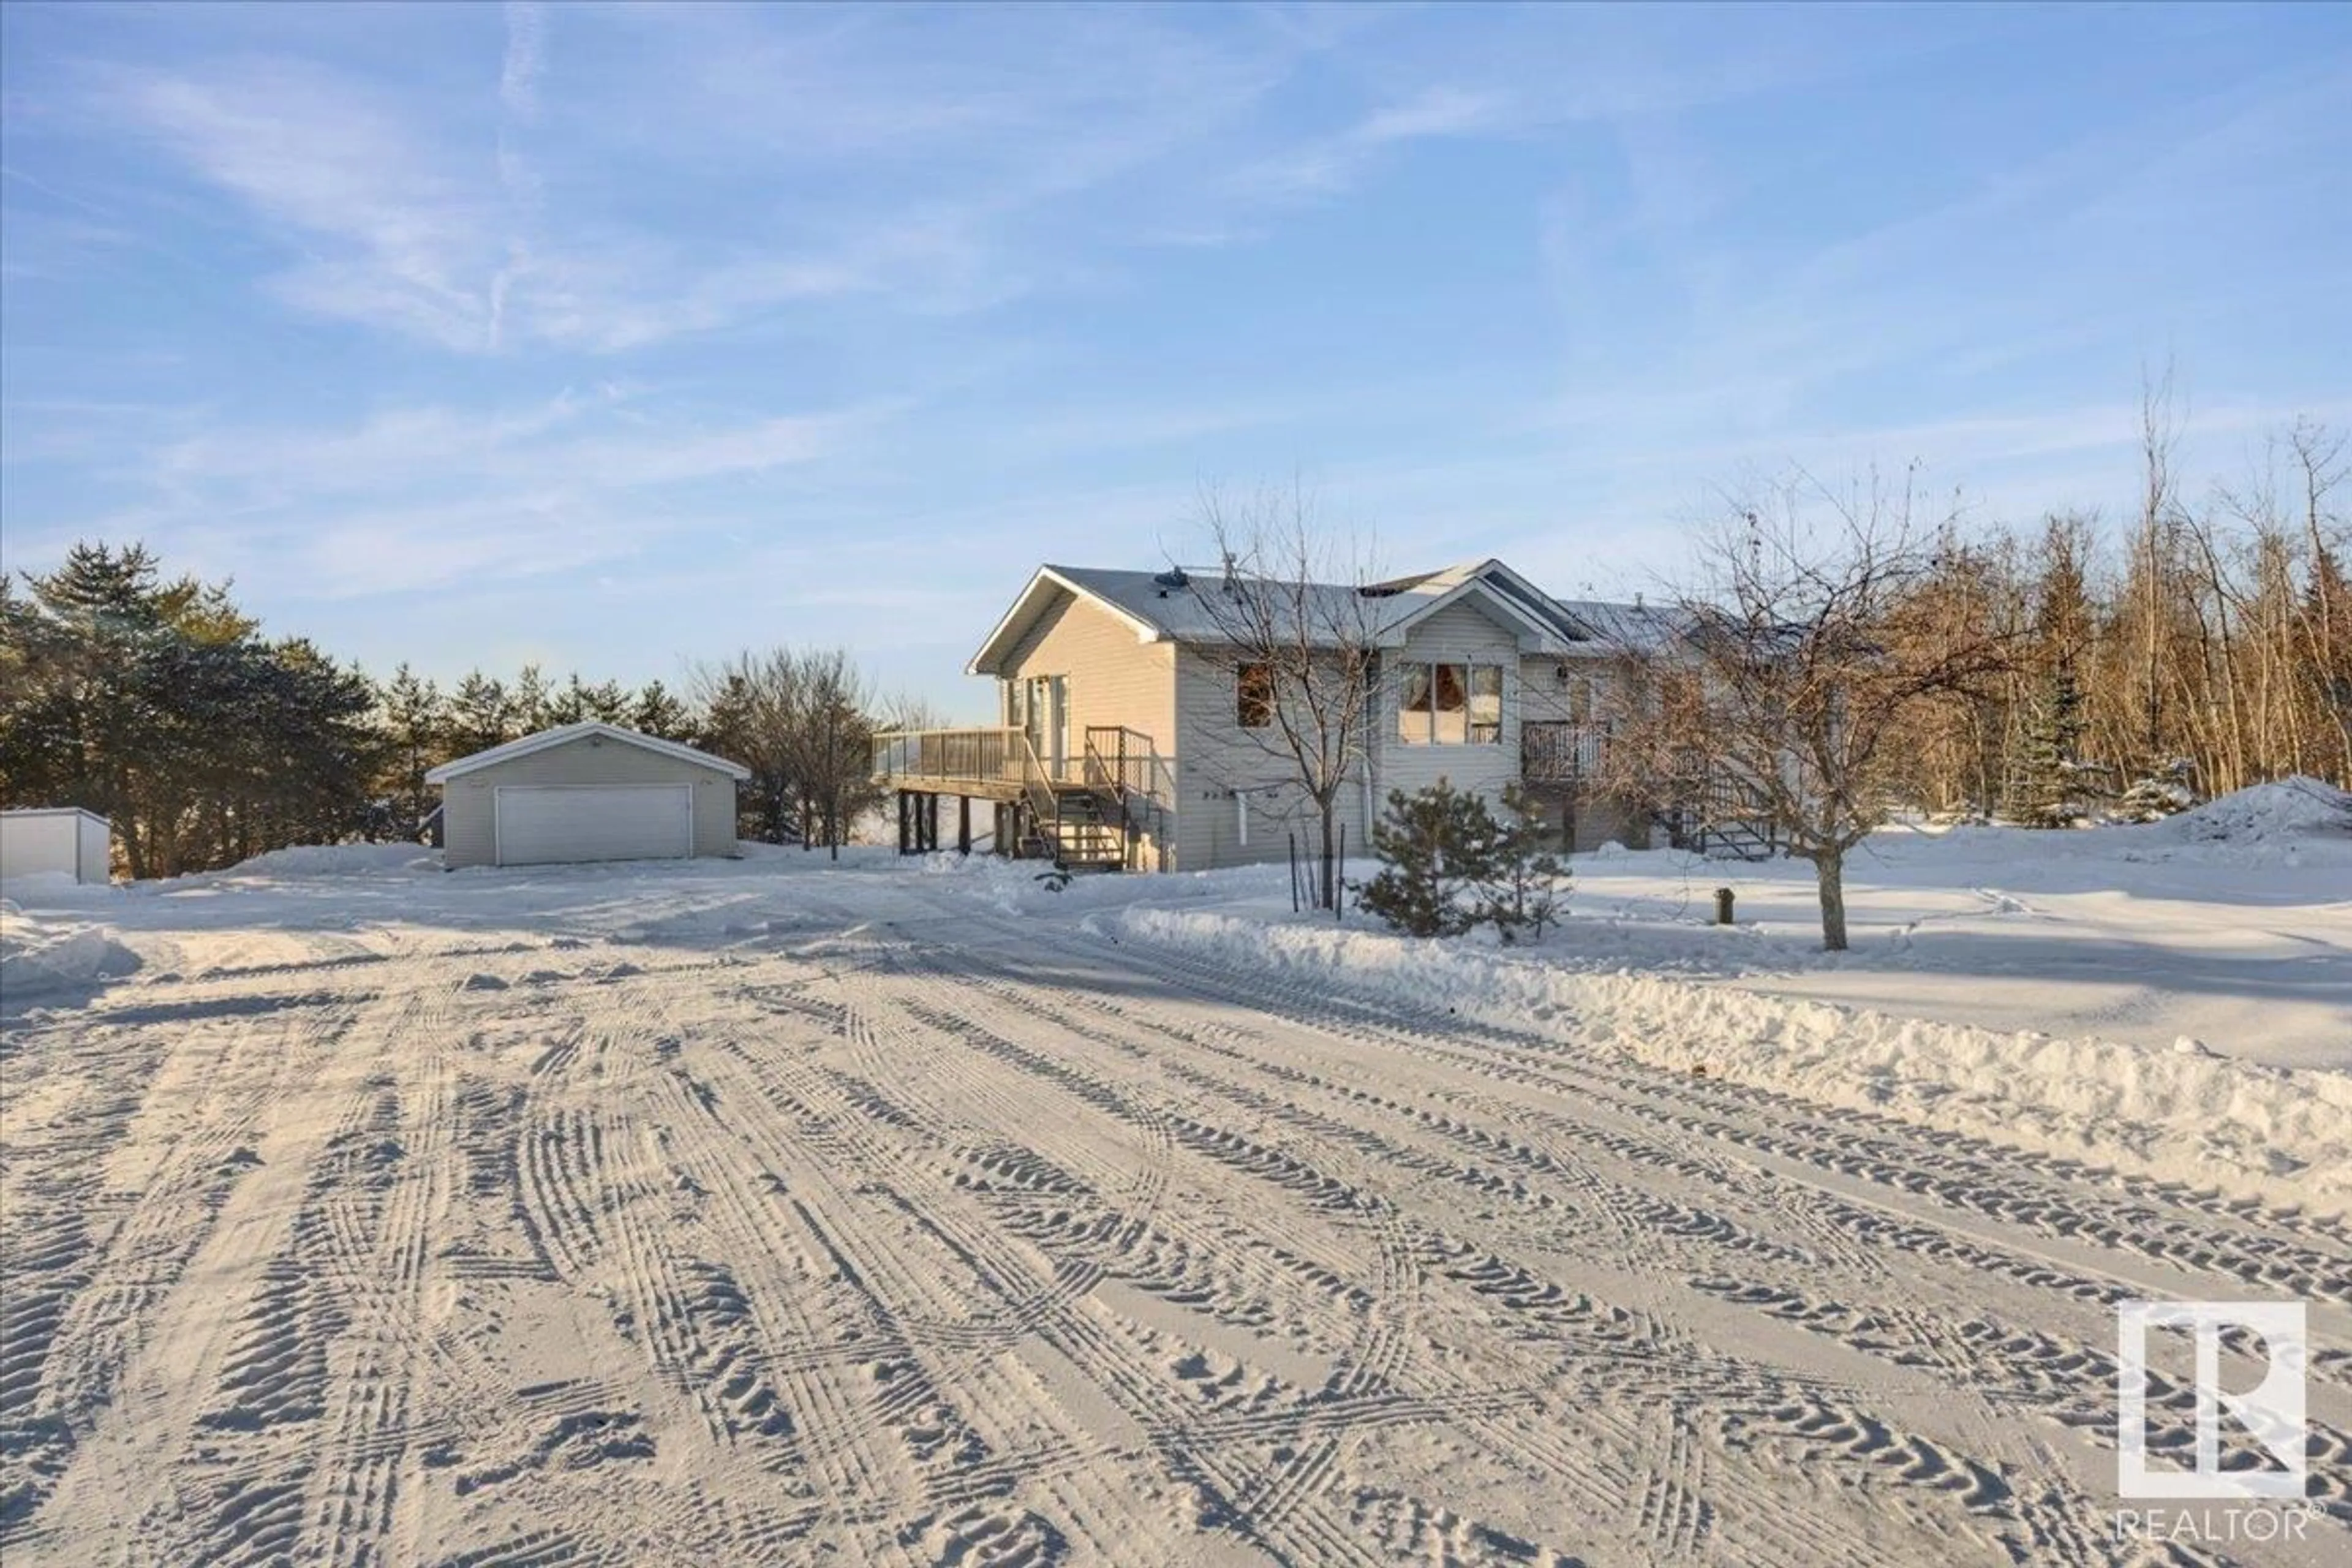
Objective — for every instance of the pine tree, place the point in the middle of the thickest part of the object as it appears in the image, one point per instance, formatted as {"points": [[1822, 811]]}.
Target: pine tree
{"points": [[2158, 793], [1439, 851], [531, 705], [2045, 789], [659, 713], [481, 715], [605, 702], [1527, 879], [155, 703], [415, 719]]}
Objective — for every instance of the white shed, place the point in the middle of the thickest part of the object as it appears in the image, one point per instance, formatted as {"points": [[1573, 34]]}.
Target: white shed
{"points": [[586, 792], [53, 839]]}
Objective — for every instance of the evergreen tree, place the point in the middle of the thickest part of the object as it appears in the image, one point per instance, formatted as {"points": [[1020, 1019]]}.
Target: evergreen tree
{"points": [[2158, 793], [415, 719], [1439, 850], [481, 715], [657, 712], [531, 706], [2046, 788], [1526, 881], [605, 702], [154, 703]]}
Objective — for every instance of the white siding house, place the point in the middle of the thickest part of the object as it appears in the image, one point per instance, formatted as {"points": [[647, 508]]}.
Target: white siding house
{"points": [[62, 840], [1482, 679]]}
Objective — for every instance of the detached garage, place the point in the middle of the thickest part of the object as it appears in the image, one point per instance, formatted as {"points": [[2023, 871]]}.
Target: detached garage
{"points": [[55, 840], [586, 792]]}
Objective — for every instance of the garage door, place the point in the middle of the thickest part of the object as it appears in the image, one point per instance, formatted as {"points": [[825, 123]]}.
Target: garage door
{"points": [[543, 825]]}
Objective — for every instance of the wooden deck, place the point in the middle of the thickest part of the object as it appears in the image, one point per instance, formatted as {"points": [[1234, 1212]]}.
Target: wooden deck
{"points": [[979, 764], [1091, 812]]}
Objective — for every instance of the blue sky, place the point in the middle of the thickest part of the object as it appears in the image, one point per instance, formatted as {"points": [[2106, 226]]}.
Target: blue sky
{"points": [[615, 336]]}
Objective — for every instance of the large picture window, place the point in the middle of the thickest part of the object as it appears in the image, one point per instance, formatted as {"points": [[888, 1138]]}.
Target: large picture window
{"points": [[1450, 704]]}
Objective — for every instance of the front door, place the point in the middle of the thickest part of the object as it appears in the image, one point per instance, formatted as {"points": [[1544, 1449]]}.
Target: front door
{"points": [[1047, 721]]}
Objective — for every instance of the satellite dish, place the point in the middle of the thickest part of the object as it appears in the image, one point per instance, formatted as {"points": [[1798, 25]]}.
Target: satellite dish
{"points": [[1173, 578]]}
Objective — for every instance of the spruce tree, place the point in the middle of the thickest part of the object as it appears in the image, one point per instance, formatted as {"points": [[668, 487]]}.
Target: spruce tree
{"points": [[2046, 792], [1439, 849], [1527, 879]]}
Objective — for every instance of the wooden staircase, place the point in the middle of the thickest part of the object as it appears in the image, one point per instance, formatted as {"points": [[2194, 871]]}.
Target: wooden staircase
{"points": [[1082, 834], [1719, 818], [1102, 815]]}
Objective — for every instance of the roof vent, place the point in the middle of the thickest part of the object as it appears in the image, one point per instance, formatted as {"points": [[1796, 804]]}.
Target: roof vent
{"points": [[1173, 578]]}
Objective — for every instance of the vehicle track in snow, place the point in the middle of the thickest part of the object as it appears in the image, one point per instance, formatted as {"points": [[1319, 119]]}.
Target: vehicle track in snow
{"points": [[882, 1228]]}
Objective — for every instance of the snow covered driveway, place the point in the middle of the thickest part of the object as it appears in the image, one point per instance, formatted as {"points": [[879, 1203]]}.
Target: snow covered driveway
{"points": [[716, 1216]]}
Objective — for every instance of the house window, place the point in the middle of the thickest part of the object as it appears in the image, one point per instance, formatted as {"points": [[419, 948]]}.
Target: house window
{"points": [[1253, 696], [1486, 704], [1450, 704]]}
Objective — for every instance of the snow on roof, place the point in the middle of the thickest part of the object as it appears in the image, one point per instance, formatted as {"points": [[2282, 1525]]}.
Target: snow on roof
{"points": [[1172, 605], [21, 811], [564, 734], [1625, 628]]}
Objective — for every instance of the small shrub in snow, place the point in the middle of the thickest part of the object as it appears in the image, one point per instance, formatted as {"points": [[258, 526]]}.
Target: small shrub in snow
{"points": [[1449, 864], [1436, 850], [2158, 795], [1527, 881]]}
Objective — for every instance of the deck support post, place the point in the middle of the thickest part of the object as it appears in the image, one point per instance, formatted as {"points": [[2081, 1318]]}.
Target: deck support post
{"points": [[963, 825], [906, 824]]}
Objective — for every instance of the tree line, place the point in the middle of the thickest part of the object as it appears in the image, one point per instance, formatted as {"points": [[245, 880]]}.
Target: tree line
{"points": [[154, 702], [2204, 646], [1841, 656], [1835, 656]]}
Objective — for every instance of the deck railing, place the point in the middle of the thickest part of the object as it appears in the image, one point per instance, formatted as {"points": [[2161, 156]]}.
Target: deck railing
{"points": [[990, 755], [1560, 753], [1132, 785]]}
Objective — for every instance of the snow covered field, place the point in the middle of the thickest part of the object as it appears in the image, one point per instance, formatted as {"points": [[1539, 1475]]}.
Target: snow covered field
{"points": [[770, 1213]]}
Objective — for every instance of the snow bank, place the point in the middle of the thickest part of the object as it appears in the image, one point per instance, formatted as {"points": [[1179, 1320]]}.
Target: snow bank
{"points": [[37, 956], [1027, 886], [2282, 1136], [58, 890], [2268, 816], [335, 860]]}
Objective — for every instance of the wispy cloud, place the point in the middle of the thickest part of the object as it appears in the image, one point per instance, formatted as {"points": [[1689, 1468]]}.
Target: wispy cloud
{"points": [[526, 57], [415, 497], [1526, 279], [392, 239], [1329, 164]]}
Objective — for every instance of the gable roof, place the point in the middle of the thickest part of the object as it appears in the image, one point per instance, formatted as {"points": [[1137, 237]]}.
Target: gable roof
{"points": [[1168, 606], [564, 734]]}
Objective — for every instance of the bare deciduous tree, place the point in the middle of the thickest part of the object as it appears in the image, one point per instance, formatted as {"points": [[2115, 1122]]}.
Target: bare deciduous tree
{"points": [[801, 720], [1294, 630], [1805, 653]]}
